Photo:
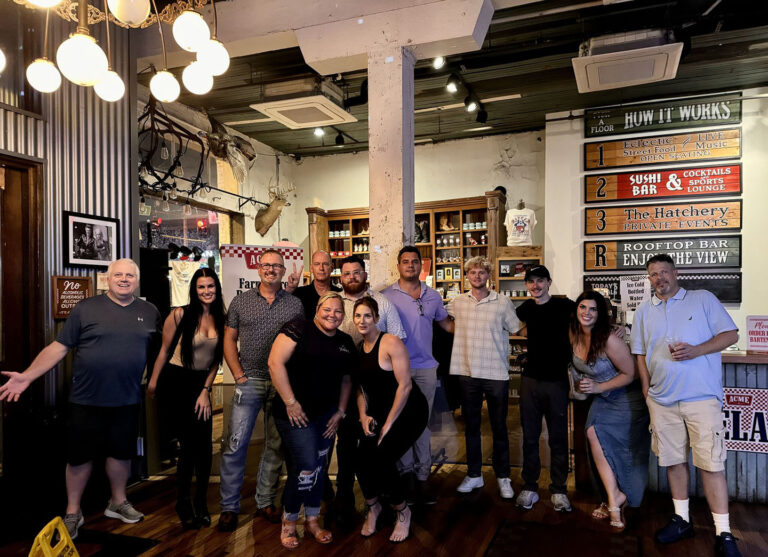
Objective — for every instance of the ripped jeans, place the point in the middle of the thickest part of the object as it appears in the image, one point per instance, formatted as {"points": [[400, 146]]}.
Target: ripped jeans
{"points": [[305, 451]]}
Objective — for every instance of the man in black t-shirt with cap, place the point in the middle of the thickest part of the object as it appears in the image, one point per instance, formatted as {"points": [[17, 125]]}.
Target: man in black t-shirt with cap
{"points": [[544, 389]]}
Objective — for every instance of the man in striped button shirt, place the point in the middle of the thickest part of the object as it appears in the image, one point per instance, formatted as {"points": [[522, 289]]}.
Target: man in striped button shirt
{"points": [[483, 321]]}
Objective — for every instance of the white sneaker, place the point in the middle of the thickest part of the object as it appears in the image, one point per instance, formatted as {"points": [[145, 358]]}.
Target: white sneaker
{"points": [[469, 484], [505, 488], [561, 503], [527, 499]]}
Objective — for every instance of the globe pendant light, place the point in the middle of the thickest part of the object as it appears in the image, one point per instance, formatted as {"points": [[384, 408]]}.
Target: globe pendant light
{"points": [[79, 58], [42, 74], [191, 31], [214, 57], [44, 3], [111, 87], [164, 87], [130, 12], [2, 61], [197, 79]]}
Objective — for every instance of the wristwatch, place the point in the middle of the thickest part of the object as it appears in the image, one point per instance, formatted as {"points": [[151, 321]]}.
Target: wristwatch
{"points": [[209, 389]]}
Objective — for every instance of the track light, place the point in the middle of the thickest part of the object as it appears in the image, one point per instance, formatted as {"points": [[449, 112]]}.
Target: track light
{"points": [[470, 104], [340, 139], [482, 116], [438, 62], [319, 132], [453, 83]]}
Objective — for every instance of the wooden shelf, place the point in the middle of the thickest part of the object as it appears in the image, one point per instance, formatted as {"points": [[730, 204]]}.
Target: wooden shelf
{"points": [[448, 280], [361, 236], [520, 297], [516, 277], [423, 244], [360, 252], [448, 263], [449, 247], [456, 231], [475, 245], [474, 230]]}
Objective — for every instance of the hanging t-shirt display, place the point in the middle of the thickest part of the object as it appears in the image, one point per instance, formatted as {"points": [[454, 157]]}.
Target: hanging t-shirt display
{"points": [[181, 274], [520, 224]]}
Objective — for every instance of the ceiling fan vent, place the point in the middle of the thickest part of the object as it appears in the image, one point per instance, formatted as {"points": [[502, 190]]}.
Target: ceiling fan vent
{"points": [[626, 59], [304, 103]]}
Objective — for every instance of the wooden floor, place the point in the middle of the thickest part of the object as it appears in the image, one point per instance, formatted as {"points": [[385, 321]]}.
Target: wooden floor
{"points": [[457, 526]]}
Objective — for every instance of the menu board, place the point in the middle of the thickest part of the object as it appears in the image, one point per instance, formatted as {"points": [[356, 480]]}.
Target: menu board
{"points": [[693, 253], [701, 181], [664, 217], [67, 292], [663, 149], [684, 113], [725, 286]]}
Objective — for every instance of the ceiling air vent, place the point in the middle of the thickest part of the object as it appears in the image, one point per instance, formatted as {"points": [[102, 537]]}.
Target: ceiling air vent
{"points": [[304, 103], [626, 59]]}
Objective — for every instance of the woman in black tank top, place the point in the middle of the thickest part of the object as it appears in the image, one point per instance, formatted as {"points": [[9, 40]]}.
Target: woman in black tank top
{"points": [[393, 413]]}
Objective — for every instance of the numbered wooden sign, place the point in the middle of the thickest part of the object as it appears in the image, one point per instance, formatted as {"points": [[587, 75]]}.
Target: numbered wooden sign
{"points": [[664, 217], [663, 149], [702, 181], [67, 292], [694, 253]]}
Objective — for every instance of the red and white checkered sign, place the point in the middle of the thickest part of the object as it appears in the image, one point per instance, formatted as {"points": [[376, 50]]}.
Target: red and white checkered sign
{"points": [[744, 415], [240, 266]]}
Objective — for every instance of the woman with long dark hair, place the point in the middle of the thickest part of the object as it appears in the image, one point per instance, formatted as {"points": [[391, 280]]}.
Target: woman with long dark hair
{"points": [[190, 355], [617, 424]]}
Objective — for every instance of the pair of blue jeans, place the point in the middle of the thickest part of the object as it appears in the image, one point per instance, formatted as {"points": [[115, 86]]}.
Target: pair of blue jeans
{"points": [[305, 451], [248, 400]]}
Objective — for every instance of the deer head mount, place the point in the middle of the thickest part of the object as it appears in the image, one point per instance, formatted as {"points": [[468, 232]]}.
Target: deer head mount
{"points": [[278, 198]]}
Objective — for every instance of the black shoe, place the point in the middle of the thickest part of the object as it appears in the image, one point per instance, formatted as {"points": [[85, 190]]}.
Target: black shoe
{"points": [[725, 545], [271, 513], [228, 521], [677, 529], [202, 514], [186, 514]]}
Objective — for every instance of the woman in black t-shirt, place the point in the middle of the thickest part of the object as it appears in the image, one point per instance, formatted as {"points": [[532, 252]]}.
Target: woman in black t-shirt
{"points": [[310, 364]]}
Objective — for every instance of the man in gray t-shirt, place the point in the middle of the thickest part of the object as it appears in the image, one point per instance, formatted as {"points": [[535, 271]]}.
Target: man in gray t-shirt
{"points": [[112, 336], [254, 319]]}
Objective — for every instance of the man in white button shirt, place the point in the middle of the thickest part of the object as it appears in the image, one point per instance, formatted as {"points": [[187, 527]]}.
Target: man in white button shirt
{"points": [[483, 321]]}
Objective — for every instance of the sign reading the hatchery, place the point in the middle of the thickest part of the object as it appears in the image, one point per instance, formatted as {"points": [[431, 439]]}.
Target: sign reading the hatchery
{"points": [[744, 417], [694, 253], [664, 217], [686, 113], [66, 292], [663, 149], [702, 181], [725, 286]]}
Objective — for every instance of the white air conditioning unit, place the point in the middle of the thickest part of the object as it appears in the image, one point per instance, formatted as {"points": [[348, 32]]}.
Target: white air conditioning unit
{"points": [[626, 59], [304, 103]]}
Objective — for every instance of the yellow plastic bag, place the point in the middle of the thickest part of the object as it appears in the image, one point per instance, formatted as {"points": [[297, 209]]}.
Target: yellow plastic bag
{"points": [[64, 547]]}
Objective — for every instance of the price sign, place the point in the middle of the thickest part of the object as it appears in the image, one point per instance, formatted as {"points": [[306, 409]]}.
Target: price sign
{"points": [[67, 292]]}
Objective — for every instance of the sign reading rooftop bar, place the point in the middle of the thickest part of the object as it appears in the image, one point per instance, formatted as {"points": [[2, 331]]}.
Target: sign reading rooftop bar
{"points": [[725, 286], [687, 113], [664, 217], [744, 417], [663, 149], [696, 253], [701, 181]]}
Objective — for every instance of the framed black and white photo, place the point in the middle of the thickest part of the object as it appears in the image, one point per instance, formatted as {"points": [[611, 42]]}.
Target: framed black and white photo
{"points": [[90, 241]]}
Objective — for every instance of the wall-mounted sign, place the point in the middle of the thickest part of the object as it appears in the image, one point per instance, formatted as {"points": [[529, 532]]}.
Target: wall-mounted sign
{"points": [[757, 333], [693, 253], [664, 149], [686, 113], [240, 266], [66, 292], [725, 286], [702, 181], [744, 417], [664, 217], [633, 291]]}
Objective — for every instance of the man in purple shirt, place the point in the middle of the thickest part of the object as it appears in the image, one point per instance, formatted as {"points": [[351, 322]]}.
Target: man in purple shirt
{"points": [[418, 306]]}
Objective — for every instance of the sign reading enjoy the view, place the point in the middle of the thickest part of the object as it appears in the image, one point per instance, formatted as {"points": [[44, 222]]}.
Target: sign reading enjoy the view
{"points": [[663, 149], [701, 181], [664, 217], [686, 113], [630, 254]]}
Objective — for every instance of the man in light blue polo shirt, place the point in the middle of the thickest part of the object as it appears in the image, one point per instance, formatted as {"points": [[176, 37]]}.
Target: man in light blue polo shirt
{"points": [[418, 306], [677, 336]]}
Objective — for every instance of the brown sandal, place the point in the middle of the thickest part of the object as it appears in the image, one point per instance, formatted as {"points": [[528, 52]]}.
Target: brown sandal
{"points": [[601, 512], [289, 537], [321, 535]]}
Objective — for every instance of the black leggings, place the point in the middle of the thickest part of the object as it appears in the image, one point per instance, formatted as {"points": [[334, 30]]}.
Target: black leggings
{"points": [[180, 390], [377, 470]]}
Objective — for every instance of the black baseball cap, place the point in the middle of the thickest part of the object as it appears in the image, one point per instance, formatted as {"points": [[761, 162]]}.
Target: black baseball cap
{"points": [[537, 271]]}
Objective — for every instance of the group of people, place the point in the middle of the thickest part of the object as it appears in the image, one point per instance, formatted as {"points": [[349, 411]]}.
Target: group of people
{"points": [[355, 367]]}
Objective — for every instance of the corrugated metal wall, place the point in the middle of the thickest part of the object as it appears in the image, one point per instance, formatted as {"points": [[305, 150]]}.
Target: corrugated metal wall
{"points": [[22, 134]]}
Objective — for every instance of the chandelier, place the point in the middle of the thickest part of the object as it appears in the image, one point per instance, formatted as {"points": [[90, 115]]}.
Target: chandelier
{"points": [[83, 62]]}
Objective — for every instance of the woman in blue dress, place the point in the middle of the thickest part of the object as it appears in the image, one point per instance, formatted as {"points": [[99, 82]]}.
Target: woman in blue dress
{"points": [[617, 424]]}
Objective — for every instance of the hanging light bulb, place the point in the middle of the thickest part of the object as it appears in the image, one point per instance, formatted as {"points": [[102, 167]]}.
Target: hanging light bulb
{"points": [[164, 154], [197, 79], [187, 208], [3, 61], [130, 12], [166, 205], [174, 190], [164, 87], [44, 3], [214, 57], [81, 60], [191, 31], [111, 87], [43, 75], [201, 193], [180, 170]]}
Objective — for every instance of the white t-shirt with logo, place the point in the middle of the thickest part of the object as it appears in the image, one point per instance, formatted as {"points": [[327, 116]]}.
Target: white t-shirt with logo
{"points": [[520, 224]]}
